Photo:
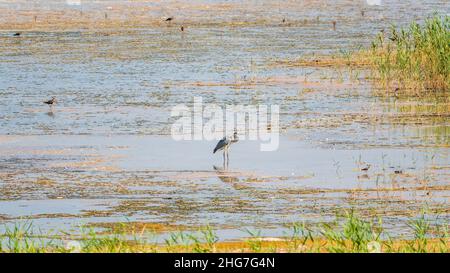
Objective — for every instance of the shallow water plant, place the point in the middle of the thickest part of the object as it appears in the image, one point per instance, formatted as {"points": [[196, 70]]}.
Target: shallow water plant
{"points": [[348, 233], [23, 238], [210, 238], [254, 242], [299, 236], [415, 59], [355, 236], [421, 228]]}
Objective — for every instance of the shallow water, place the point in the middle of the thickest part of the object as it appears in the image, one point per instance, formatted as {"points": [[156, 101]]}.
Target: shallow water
{"points": [[104, 152]]}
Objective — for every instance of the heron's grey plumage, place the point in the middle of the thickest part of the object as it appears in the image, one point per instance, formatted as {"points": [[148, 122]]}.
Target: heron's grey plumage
{"points": [[224, 142]]}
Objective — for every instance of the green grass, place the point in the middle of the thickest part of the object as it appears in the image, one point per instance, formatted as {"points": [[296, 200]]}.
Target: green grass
{"points": [[416, 59], [348, 233], [409, 61], [354, 236]]}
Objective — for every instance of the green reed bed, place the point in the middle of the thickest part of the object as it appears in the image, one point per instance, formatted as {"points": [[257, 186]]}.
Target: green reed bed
{"points": [[415, 59]]}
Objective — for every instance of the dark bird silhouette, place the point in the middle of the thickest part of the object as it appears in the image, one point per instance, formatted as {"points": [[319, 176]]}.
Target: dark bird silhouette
{"points": [[396, 92], [365, 168], [17, 34], [182, 28], [224, 144], [394, 36], [50, 102], [168, 19]]}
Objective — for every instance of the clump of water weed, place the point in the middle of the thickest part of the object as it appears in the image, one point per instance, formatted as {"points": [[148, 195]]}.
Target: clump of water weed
{"points": [[22, 238], [416, 59], [357, 235], [204, 241]]}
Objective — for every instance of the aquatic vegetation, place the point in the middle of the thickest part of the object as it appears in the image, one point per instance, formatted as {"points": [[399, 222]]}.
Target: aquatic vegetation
{"points": [[203, 241], [407, 61], [348, 233], [22, 238], [355, 236], [300, 234], [416, 58], [254, 242]]}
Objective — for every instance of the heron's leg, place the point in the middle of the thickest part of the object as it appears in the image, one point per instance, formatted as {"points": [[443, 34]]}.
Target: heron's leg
{"points": [[224, 159], [228, 158], [225, 151]]}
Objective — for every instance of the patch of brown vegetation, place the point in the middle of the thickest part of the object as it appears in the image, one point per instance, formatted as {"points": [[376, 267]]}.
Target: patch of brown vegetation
{"points": [[137, 227], [355, 60]]}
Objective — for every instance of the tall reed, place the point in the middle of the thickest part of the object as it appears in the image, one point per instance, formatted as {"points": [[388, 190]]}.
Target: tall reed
{"points": [[415, 59]]}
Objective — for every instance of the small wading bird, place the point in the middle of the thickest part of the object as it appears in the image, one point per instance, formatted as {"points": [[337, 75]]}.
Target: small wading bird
{"points": [[16, 34], [224, 144], [50, 102], [365, 167], [396, 92], [169, 19]]}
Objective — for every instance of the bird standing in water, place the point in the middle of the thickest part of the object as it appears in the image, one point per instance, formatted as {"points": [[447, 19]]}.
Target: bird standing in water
{"points": [[365, 167], [50, 102], [224, 144]]}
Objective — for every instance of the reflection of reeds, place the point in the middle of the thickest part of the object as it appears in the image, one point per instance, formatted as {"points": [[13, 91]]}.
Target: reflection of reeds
{"points": [[416, 58]]}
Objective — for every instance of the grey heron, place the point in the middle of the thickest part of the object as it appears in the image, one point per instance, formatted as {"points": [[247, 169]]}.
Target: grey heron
{"points": [[224, 144]]}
